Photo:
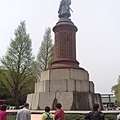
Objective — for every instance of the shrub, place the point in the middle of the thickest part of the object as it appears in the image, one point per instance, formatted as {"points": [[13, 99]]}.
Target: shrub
{"points": [[11, 117], [82, 117], [110, 117], [74, 117]]}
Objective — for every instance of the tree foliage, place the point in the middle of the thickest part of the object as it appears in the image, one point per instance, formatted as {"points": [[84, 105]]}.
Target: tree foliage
{"points": [[119, 79], [17, 72], [45, 54], [116, 90]]}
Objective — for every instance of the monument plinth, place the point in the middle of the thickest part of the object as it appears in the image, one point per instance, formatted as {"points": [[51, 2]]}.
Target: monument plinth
{"points": [[65, 45], [64, 82]]}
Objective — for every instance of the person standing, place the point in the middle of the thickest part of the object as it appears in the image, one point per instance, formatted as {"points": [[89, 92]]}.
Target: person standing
{"points": [[95, 114], [3, 114], [59, 113], [24, 113], [47, 115]]}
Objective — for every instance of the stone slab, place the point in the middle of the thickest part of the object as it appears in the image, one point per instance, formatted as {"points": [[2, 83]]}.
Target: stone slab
{"points": [[84, 86], [58, 85], [39, 86], [64, 86], [79, 74], [91, 87], [62, 74], [46, 99], [66, 99], [69, 100], [59, 74], [97, 99], [29, 100], [35, 101], [71, 86]]}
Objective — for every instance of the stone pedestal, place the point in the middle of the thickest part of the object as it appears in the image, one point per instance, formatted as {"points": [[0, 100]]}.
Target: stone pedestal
{"points": [[65, 81], [70, 87], [69, 100]]}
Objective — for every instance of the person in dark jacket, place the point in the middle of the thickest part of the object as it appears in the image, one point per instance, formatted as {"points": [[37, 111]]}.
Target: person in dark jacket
{"points": [[95, 114]]}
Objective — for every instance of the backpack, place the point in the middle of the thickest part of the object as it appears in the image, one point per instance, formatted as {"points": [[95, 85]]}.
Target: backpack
{"points": [[48, 117]]}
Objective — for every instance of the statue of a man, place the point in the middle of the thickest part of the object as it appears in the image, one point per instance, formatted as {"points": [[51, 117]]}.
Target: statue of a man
{"points": [[64, 9]]}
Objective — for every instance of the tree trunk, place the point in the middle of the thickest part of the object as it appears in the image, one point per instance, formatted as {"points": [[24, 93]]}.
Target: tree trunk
{"points": [[16, 97], [17, 104]]}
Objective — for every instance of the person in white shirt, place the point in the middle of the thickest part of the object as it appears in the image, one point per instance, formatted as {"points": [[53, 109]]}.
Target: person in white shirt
{"points": [[24, 114], [118, 117]]}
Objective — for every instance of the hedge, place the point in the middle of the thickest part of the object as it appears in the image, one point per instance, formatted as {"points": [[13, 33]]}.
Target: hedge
{"points": [[73, 117]]}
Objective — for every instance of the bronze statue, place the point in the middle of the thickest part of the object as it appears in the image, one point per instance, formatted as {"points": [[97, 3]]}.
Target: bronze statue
{"points": [[64, 9]]}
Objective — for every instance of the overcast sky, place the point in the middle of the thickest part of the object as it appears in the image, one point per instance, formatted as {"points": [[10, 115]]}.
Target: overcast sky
{"points": [[98, 36]]}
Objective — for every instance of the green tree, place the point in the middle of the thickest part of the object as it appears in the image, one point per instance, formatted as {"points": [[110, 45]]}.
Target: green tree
{"points": [[119, 79], [45, 54], [116, 91], [17, 72]]}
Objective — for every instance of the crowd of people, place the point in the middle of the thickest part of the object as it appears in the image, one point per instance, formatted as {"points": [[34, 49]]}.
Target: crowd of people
{"points": [[25, 114]]}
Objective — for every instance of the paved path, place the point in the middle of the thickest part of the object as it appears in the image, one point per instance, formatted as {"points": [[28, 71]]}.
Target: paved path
{"points": [[35, 116]]}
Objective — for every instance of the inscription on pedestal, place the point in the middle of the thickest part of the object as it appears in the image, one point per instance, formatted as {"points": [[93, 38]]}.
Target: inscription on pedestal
{"points": [[64, 45]]}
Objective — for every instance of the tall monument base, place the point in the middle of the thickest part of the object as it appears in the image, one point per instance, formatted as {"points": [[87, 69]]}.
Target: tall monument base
{"points": [[70, 87], [65, 81]]}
